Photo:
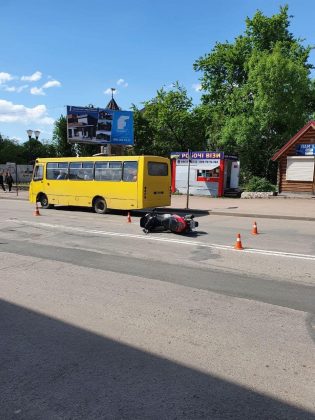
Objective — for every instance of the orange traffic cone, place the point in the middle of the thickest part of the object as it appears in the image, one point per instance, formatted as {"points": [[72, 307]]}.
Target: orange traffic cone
{"points": [[128, 217], [238, 243], [254, 229], [36, 212]]}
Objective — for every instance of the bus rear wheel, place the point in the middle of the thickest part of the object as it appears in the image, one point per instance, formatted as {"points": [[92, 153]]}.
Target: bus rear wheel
{"points": [[42, 198], [100, 205]]}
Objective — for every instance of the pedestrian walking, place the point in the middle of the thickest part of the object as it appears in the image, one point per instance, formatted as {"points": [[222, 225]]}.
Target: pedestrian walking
{"points": [[9, 180], [1, 182]]}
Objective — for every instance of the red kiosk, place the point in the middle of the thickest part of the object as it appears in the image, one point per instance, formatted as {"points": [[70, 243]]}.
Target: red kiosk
{"points": [[210, 173]]}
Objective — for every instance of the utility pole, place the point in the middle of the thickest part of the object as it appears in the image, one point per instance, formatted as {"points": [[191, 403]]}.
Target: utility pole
{"points": [[188, 176]]}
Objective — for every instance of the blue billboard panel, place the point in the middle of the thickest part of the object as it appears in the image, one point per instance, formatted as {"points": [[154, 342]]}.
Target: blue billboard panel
{"points": [[305, 149], [122, 129], [99, 126]]}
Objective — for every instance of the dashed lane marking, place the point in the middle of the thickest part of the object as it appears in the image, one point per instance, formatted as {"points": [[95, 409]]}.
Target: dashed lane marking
{"points": [[169, 240]]}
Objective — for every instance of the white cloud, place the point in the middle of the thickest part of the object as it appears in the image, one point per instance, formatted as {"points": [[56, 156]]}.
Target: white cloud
{"points": [[33, 77], [40, 91], [108, 91], [51, 83], [5, 77], [197, 87], [17, 89], [37, 91], [121, 82], [10, 89], [14, 113]]}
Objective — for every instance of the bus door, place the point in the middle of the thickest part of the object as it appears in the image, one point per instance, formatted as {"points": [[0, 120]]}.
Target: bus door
{"points": [[36, 186], [157, 184], [81, 183], [57, 184], [128, 189]]}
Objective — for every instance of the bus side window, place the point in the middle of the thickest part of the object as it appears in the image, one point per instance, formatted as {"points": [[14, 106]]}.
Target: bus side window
{"points": [[75, 170], [130, 171], [115, 170], [38, 173], [88, 170]]}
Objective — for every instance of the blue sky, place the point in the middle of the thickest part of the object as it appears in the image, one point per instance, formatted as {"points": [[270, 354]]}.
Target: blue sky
{"points": [[58, 53]]}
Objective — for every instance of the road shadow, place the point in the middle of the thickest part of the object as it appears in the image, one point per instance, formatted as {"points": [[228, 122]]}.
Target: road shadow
{"points": [[78, 209], [52, 370], [195, 212], [133, 213]]}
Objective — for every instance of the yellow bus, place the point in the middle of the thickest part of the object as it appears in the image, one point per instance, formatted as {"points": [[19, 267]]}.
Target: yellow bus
{"points": [[102, 182]]}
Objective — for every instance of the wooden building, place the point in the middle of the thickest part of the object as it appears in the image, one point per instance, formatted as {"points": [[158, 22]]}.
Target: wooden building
{"points": [[296, 162]]}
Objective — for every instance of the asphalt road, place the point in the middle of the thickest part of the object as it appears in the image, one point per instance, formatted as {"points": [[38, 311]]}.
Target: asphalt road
{"points": [[100, 321]]}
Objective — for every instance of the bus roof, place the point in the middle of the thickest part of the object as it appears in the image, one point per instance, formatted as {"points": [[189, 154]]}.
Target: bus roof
{"points": [[98, 158]]}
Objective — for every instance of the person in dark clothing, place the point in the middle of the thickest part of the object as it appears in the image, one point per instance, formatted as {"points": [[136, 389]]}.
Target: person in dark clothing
{"points": [[1, 182], [9, 180]]}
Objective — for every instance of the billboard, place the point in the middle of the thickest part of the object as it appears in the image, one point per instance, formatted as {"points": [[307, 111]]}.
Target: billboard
{"points": [[305, 149], [99, 126]]}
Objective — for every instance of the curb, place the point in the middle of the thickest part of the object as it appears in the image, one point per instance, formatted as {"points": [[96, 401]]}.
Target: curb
{"points": [[262, 216], [234, 214], [13, 198], [206, 212]]}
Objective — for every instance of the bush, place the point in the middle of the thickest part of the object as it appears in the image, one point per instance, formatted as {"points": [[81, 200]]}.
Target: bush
{"points": [[257, 184]]}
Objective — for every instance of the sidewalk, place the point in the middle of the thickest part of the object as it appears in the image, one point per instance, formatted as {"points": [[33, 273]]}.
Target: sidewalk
{"points": [[272, 208]]}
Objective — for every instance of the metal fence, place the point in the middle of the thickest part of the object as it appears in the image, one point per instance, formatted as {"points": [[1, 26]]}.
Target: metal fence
{"points": [[20, 173]]}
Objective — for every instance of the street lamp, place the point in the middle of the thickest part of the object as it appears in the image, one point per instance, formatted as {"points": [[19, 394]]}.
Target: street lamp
{"points": [[30, 132]]}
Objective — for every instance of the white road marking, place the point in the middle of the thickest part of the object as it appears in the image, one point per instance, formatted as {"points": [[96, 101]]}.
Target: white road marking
{"points": [[149, 237]]}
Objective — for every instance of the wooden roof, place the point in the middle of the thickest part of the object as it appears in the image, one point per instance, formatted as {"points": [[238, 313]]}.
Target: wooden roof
{"points": [[294, 139], [112, 104]]}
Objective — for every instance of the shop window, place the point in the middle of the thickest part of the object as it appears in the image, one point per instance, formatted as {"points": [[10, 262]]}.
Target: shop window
{"points": [[208, 174]]}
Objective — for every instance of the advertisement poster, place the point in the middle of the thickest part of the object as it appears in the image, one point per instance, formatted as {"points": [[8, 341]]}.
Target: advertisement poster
{"points": [[305, 149], [99, 126]]}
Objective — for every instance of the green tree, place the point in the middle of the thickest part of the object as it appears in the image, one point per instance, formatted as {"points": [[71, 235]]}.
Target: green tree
{"points": [[10, 151], [60, 141], [258, 91], [34, 148], [25, 153], [88, 149], [63, 148], [168, 122]]}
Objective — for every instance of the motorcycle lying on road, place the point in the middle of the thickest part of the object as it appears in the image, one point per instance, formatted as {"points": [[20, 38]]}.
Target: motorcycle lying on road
{"points": [[158, 222]]}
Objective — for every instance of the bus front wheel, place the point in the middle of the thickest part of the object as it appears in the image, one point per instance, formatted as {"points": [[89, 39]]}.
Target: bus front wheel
{"points": [[42, 198], [99, 205]]}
